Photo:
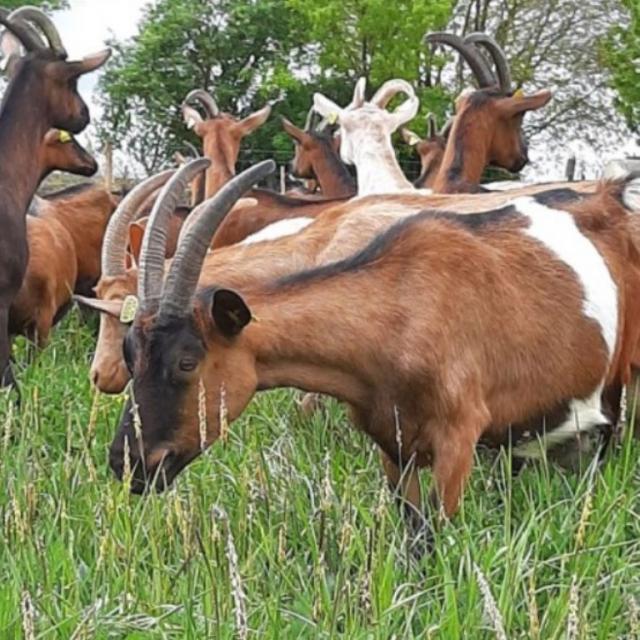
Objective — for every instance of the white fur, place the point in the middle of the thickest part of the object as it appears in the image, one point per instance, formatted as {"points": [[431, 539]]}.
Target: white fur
{"points": [[582, 417], [558, 231], [279, 229]]}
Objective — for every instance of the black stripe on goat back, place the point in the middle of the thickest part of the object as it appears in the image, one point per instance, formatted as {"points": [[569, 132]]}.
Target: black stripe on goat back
{"points": [[561, 195], [474, 222]]}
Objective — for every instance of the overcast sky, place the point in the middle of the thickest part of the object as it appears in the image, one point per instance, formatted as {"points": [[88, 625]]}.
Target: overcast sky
{"points": [[87, 24]]}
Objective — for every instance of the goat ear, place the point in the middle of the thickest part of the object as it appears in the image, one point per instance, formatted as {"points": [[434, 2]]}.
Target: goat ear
{"points": [[409, 137], [191, 117], [136, 234], [88, 63], [251, 123], [229, 312], [109, 307], [519, 103], [327, 108], [293, 131]]}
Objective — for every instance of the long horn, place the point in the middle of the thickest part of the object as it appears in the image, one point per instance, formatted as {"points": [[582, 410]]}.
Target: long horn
{"points": [[432, 126], [154, 244], [205, 99], [44, 23], [389, 89], [446, 128], [187, 263], [312, 116], [192, 148], [115, 238], [497, 55], [23, 31], [472, 56]]}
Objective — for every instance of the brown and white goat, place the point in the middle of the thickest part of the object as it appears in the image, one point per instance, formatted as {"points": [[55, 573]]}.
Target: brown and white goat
{"points": [[41, 94], [316, 157], [338, 231], [444, 330], [221, 135]]}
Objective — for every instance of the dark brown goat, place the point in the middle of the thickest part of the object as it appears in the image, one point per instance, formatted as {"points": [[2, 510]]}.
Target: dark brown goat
{"points": [[64, 243], [427, 394], [317, 157], [41, 95]]}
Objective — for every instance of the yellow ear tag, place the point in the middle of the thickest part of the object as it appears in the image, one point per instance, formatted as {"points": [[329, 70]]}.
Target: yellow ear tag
{"points": [[413, 139], [64, 136], [332, 118], [129, 310], [518, 93]]}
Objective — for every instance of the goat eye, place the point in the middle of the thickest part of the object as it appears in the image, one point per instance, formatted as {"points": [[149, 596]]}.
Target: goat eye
{"points": [[188, 364]]}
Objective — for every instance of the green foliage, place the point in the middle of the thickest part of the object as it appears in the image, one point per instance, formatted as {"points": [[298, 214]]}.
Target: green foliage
{"points": [[247, 53], [621, 53], [321, 547], [47, 5]]}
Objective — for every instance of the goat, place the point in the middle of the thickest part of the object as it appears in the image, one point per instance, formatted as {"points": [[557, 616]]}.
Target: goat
{"points": [[487, 128], [63, 241], [337, 231], [430, 149], [316, 158], [365, 134], [41, 95], [221, 135], [477, 323]]}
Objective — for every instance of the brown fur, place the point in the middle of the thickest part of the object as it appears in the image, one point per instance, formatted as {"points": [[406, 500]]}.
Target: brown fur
{"points": [[336, 233], [385, 334], [221, 137]]}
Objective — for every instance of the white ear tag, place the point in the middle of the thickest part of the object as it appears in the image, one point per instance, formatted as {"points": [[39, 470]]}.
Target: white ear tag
{"points": [[129, 309], [413, 139]]}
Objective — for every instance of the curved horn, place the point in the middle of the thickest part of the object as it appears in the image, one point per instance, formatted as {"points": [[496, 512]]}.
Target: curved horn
{"points": [[187, 262], [311, 118], [151, 272], [497, 55], [205, 99], [471, 55], [390, 89], [358, 94], [192, 149], [115, 238], [446, 128], [23, 31], [44, 23], [432, 126]]}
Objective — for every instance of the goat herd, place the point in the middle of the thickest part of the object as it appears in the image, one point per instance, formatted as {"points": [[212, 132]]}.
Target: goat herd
{"points": [[444, 314]]}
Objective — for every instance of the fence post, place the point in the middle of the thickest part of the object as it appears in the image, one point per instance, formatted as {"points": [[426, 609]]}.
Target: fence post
{"points": [[283, 179]]}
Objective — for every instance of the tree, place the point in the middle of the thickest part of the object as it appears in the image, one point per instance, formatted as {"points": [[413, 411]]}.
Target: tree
{"points": [[47, 5], [248, 52], [556, 44], [621, 53]]}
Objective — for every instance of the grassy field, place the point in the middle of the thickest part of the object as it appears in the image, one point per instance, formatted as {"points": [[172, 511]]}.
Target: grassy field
{"points": [[287, 530]]}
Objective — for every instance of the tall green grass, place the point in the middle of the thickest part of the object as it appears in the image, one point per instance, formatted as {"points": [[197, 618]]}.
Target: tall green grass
{"points": [[287, 530]]}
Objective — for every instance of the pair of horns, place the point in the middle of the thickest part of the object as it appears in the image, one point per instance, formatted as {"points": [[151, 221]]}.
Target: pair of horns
{"points": [[205, 100], [432, 127], [476, 60], [174, 296], [26, 24]]}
